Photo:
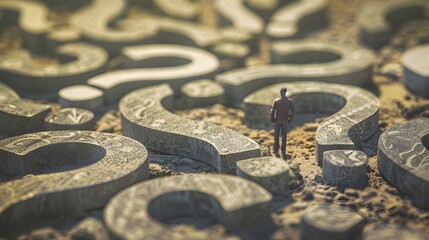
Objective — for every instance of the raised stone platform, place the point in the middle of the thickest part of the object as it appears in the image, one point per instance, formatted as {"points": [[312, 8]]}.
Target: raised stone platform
{"points": [[270, 172], [345, 168]]}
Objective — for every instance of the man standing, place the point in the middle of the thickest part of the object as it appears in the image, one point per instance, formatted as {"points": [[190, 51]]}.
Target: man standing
{"points": [[282, 114]]}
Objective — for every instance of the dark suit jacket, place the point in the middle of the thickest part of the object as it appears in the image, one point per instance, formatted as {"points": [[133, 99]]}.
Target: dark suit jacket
{"points": [[282, 110]]}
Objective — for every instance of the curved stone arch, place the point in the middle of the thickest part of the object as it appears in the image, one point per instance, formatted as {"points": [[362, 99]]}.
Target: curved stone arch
{"points": [[145, 118], [403, 159], [354, 119], [114, 162], [352, 66], [375, 19], [19, 72], [234, 201]]}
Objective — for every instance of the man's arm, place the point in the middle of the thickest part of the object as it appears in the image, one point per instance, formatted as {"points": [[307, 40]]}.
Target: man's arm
{"points": [[273, 112], [292, 109]]}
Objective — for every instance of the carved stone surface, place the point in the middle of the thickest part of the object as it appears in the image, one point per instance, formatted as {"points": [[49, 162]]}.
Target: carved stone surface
{"points": [[403, 159], [19, 71], [73, 171], [234, 53], [193, 64], [231, 34], [175, 31], [145, 119], [91, 229], [415, 63], [392, 232], [19, 116], [338, 64], [94, 20], [81, 96], [234, 12], [330, 222], [355, 118], [185, 9], [345, 168], [298, 18], [70, 119], [233, 201], [379, 20], [7, 93], [202, 93], [270, 172], [32, 21]]}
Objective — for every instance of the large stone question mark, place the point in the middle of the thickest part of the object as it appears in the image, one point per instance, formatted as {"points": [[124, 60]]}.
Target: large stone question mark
{"points": [[379, 20], [403, 159], [113, 162], [355, 118], [82, 62], [304, 61], [145, 118], [235, 202], [149, 63]]}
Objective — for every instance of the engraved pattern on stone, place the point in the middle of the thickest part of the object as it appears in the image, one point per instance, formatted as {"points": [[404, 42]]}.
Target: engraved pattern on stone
{"points": [[270, 172], [18, 116], [145, 119], [202, 93], [112, 162], [403, 159], [355, 118], [235, 202], [345, 168], [70, 119]]}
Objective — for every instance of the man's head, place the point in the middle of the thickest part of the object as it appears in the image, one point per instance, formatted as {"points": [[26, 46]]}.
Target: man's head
{"points": [[283, 92]]}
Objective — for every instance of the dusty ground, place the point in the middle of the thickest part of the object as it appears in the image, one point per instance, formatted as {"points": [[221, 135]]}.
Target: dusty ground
{"points": [[378, 203]]}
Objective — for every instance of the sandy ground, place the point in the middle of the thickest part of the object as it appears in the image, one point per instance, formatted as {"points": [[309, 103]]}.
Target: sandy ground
{"points": [[379, 203]]}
